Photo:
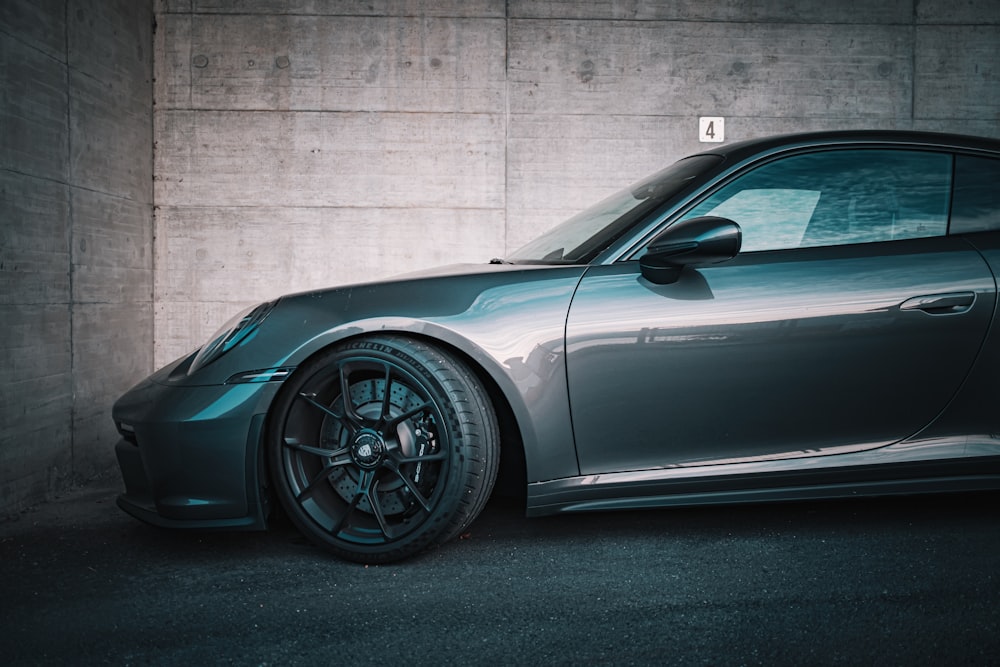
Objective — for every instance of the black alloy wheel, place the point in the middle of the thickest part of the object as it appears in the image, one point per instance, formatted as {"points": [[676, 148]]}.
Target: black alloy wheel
{"points": [[382, 447]]}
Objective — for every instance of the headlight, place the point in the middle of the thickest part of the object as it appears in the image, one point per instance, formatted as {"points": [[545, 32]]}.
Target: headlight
{"points": [[231, 334]]}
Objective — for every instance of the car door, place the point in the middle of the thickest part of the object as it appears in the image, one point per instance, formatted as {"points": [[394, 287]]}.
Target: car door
{"points": [[848, 322]]}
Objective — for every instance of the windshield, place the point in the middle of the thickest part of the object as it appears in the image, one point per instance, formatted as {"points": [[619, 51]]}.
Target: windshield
{"points": [[582, 237]]}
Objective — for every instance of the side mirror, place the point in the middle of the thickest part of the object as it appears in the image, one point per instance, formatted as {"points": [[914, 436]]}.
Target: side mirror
{"points": [[694, 242]]}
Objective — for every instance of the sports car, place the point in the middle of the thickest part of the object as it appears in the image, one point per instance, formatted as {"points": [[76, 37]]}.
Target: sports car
{"points": [[797, 317]]}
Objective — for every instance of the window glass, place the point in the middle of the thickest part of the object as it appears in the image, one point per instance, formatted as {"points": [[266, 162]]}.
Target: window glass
{"points": [[837, 197], [977, 195]]}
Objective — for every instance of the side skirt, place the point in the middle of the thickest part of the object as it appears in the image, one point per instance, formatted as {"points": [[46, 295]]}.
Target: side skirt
{"points": [[664, 488]]}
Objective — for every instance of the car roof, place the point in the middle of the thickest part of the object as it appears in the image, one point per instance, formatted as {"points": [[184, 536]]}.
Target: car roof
{"points": [[747, 148]]}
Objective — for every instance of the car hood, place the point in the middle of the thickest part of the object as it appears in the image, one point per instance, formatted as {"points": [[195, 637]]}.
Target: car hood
{"points": [[435, 293], [459, 270], [485, 310]]}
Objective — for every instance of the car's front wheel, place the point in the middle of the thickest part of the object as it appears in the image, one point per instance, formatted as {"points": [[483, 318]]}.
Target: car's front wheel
{"points": [[382, 447]]}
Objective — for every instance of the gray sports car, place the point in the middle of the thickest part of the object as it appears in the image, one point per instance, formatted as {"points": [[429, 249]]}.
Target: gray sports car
{"points": [[796, 317]]}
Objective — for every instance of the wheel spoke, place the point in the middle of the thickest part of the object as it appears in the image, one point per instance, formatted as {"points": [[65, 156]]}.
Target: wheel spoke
{"points": [[425, 458], [414, 490], [376, 505], [293, 443], [307, 492], [386, 399], [365, 480], [321, 476], [391, 424], [346, 419], [345, 391], [342, 521]]}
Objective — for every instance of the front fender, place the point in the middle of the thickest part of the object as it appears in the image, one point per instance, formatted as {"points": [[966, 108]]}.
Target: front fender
{"points": [[511, 325]]}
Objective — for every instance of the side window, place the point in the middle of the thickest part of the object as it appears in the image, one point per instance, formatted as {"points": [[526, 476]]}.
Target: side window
{"points": [[837, 197], [976, 207]]}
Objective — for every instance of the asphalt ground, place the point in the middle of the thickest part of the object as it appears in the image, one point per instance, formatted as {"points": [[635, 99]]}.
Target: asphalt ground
{"points": [[907, 581]]}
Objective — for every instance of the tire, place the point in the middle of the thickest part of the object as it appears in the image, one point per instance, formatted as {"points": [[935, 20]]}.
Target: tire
{"points": [[382, 477]]}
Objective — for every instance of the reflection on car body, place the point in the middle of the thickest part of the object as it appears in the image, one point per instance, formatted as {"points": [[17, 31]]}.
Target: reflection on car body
{"points": [[806, 316]]}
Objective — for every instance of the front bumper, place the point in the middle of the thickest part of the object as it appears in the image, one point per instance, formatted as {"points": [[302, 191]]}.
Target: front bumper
{"points": [[192, 456]]}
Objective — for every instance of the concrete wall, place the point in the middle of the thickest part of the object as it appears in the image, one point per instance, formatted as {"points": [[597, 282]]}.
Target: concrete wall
{"points": [[302, 143], [75, 234]]}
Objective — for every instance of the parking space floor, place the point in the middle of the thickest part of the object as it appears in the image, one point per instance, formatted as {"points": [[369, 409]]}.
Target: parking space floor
{"points": [[889, 581]]}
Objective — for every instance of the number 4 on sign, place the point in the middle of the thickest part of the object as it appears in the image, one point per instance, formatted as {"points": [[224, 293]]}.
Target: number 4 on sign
{"points": [[711, 129]]}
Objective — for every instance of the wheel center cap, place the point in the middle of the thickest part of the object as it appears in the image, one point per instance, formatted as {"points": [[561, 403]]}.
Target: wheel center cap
{"points": [[368, 450]]}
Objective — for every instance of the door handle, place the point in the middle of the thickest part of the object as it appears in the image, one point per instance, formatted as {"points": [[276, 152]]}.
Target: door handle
{"points": [[941, 304]]}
